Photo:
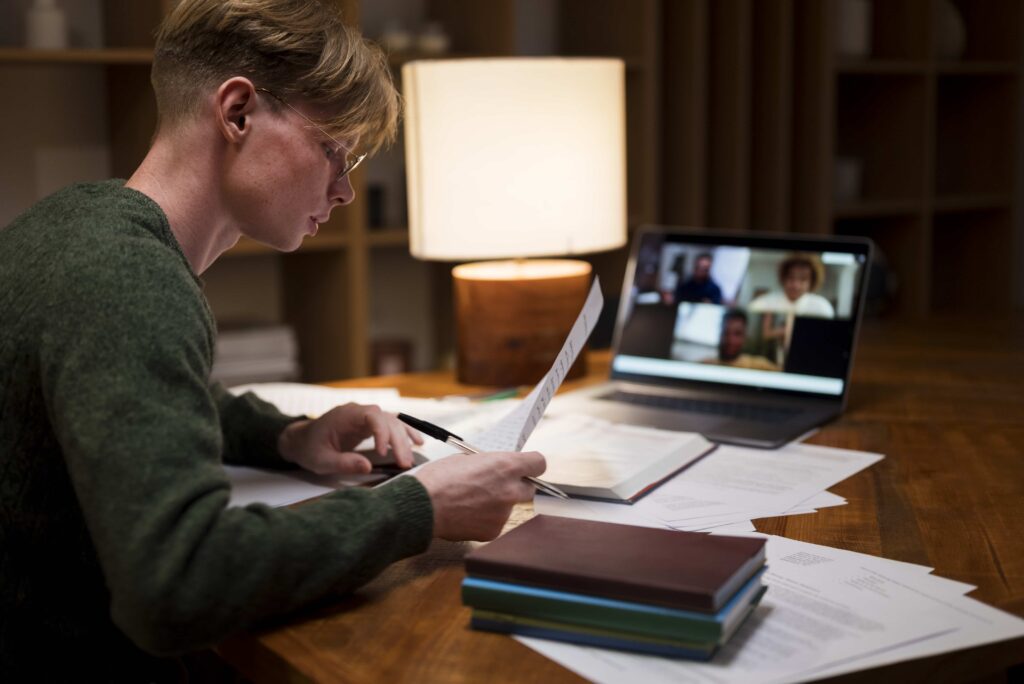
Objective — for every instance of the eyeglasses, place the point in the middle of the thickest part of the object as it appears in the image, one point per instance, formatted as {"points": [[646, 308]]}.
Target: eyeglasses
{"points": [[351, 160]]}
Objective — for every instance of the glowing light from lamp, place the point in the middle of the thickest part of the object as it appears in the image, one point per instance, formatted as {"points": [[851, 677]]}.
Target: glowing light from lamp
{"points": [[515, 157]]}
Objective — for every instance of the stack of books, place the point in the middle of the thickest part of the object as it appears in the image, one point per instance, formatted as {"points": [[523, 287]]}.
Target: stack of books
{"points": [[255, 354], [657, 591]]}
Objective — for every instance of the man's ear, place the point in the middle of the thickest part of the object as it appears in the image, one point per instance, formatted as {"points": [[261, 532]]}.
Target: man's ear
{"points": [[233, 105]]}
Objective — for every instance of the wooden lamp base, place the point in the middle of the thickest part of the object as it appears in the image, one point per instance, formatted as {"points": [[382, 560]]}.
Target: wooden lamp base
{"points": [[513, 317]]}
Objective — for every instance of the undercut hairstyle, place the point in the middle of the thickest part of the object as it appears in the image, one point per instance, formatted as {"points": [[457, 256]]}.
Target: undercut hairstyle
{"points": [[300, 50], [810, 261]]}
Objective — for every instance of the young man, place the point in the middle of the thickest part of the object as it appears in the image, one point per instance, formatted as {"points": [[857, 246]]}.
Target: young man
{"points": [[117, 547], [699, 287], [731, 341]]}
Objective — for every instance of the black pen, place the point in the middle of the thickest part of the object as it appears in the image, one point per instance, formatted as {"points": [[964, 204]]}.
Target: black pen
{"points": [[440, 434]]}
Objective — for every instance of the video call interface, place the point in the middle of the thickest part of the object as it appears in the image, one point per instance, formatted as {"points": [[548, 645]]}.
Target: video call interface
{"points": [[759, 317]]}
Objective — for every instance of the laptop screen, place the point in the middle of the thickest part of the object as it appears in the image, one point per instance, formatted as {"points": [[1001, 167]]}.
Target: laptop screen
{"points": [[764, 312]]}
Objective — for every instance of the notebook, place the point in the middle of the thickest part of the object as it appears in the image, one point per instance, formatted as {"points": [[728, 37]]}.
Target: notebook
{"points": [[746, 338]]}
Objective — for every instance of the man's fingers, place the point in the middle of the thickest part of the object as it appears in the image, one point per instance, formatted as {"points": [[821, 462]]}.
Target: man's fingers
{"points": [[531, 463], [347, 462], [400, 446], [413, 433], [377, 421], [388, 431], [527, 493]]}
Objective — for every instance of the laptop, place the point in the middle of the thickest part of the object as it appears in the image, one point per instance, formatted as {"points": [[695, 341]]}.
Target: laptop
{"points": [[746, 338]]}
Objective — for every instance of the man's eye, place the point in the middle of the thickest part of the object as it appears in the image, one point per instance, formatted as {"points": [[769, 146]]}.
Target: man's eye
{"points": [[328, 151]]}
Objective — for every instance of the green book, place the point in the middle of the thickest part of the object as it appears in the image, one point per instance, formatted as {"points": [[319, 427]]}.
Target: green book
{"points": [[628, 617], [592, 636]]}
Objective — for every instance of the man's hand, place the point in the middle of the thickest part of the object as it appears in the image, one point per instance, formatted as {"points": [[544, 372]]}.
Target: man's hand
{"points": [[324, 446], [473, 494]]}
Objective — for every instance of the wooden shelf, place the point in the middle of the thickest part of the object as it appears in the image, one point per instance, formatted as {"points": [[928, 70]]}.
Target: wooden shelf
{"points": [[320, 243], [101, 56], [974, 202], [397, 59], [994, 68], [903, 67], [877, 208], [896, 67], [387, 237]]}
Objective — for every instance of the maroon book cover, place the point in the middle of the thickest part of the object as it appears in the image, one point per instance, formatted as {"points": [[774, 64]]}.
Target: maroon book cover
{"points": [[684, 570]]}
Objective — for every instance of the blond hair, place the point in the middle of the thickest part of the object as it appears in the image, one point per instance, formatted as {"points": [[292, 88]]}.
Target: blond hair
{"points": [[300, 50]]}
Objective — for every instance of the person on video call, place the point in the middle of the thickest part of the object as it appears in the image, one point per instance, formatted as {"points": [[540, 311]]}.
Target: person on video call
{"points": [[699, 287], [731, 341], [799, 275], [119, 551]]}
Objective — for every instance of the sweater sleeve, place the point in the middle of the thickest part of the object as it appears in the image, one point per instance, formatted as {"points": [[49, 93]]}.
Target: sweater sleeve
{"points": [[124, 374], [250, 427]]}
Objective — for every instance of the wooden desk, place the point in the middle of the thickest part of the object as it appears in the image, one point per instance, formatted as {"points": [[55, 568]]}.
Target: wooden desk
{"points": [[944, 401]]}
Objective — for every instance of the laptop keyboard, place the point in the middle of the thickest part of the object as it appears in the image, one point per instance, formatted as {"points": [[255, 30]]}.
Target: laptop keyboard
{"points": [[756, 412]]}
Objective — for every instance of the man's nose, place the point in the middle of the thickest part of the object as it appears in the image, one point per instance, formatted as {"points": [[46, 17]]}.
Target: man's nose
{"points": [[342, 191]]}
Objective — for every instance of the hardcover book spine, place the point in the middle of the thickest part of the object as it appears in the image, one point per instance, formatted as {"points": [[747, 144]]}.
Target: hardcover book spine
{"points": [[623, 591], [638, 619], [572, 637]]}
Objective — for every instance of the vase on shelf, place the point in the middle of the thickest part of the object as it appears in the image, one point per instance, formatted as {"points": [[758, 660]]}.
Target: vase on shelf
{"points": [[433, 39], [45, 26]]}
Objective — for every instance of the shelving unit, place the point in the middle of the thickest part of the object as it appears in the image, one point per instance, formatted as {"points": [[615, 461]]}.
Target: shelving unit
{"points": [[106, 56], [323, 284], [736, 110], [936, 138]]}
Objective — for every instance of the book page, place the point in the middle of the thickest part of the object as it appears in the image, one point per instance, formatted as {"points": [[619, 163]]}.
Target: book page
{"points": [[590, 452]]}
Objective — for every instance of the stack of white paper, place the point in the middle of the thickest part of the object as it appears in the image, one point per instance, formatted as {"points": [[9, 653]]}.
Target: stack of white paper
{"points": [[731, 486], [255, 354], [826, 612]]}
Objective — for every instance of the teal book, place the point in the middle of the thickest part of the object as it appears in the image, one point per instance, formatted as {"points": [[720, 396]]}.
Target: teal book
{"points": [[585, 610], [605, 638], [588, 636]]}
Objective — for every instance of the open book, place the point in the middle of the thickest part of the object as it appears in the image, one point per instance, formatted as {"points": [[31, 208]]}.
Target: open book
{"points": [[593, 458]]}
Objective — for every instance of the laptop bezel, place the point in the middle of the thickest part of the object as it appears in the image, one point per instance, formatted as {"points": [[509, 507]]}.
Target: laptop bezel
{"points": [[781, 241]]}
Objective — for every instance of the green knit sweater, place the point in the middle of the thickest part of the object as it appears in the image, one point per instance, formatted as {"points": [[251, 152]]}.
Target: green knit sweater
{"points": [[116, 541]]}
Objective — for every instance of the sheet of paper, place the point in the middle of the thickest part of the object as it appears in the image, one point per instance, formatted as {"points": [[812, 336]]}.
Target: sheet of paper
{"points": [[734, 528], [724, 487], [297, 399], [282, 488], [285, 487], [596, 510], [981, 624], [823, 500], [735, 479], [511, 432], [824, 607]]}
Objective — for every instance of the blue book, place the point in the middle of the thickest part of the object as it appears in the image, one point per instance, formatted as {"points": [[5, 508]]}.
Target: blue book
{"points": [[628, 617], [589, 636]]}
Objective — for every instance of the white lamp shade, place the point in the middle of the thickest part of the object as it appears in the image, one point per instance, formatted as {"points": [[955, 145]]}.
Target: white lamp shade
{"points": [[515, 157]]}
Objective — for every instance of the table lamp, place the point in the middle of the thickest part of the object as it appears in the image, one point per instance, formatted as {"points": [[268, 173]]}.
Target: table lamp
{"points": [[509, 158]]}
